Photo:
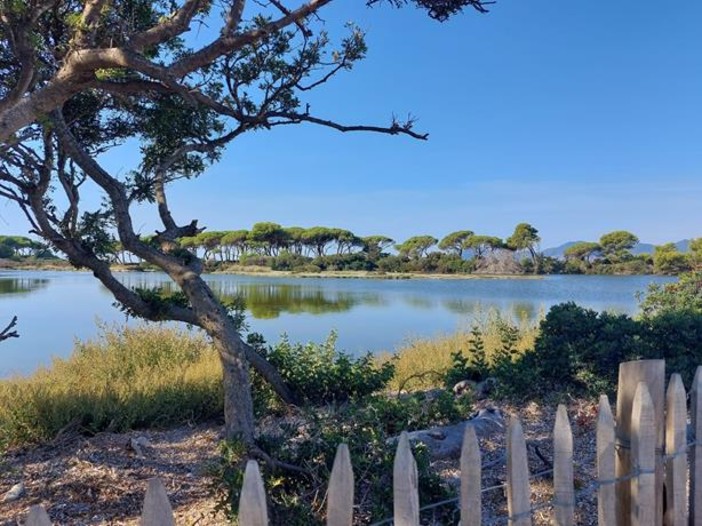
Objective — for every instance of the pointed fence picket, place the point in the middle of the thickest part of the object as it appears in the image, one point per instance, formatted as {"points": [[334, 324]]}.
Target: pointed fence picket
{"points": [[636, 435]]}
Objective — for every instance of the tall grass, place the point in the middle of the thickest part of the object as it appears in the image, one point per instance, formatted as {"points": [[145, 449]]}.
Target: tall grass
{"points": [[423, 362], [126, 378]]}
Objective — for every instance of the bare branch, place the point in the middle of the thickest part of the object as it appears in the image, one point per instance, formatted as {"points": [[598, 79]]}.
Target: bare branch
{"points": [[7, 332], [395, 128]]}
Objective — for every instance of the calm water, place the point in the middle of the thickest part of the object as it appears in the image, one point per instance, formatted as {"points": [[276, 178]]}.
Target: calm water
{"points": [[54, 308]]}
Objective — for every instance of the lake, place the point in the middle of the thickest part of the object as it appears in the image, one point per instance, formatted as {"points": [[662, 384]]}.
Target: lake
{"points": [[55, 308]]}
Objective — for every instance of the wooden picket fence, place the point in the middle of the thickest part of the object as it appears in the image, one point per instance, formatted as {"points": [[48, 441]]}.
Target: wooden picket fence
{"points": [[642, 467]]}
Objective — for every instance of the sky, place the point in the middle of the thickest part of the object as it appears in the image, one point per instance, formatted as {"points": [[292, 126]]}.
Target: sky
{"points": [[577, 117]]}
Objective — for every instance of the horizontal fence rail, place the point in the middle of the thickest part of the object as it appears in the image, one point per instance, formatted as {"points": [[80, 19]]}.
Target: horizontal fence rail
{"points": [[648, 443]]}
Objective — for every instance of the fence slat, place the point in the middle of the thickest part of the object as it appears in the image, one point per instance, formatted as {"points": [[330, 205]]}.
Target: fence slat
{"points": [[157, 509], [676, 446], [405, 485], [37, 517], [696, 453], [252, 502], [643, 450], [471, 504], [518, 490], [652, 373], [606, 505], [340, 498], [563, 485]]}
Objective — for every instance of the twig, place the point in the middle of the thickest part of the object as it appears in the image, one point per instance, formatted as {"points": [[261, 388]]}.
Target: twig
{"points": [[7, 332]]}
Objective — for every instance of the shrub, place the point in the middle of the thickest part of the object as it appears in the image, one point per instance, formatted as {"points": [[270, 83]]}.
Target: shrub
{"points": [[683, 295], [319, 373], [576, 345], [289, 261], [296, 499], [256, 260]]}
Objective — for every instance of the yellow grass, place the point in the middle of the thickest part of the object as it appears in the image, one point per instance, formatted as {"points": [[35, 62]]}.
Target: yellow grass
{"points": [[422, 362]]}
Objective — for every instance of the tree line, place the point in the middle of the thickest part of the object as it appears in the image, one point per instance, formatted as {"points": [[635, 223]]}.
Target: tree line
{"points": [[331, 248], [613, 254]]}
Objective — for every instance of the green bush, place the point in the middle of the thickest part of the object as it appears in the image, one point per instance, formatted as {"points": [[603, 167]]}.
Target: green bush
{"points": [[577, 350], [335, 262], [685, 295], [319, 373], [289, 261]]}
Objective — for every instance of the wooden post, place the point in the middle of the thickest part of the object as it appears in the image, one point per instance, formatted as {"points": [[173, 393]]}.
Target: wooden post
{"points": [[563, 484], [252, 502], [518, 490], [676, 450], [606, 508], [405, 485], [696, 452], [652, 373], [643, 459], [471, 512], [37, 517], [157, 509], [340, 498]]}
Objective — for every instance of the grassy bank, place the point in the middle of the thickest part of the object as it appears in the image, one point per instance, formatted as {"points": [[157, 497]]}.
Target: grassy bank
{"points": [[424, 363], [153, 376], [128, 378]]}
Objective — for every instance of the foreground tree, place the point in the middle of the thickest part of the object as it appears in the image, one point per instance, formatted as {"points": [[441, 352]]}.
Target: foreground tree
{"points": [[79, 78]]}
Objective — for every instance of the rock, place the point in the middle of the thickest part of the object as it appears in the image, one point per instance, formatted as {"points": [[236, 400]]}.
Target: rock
{"points": [[464, 386], [481, 390], [137, 444], [446, 441], [14, 493]]}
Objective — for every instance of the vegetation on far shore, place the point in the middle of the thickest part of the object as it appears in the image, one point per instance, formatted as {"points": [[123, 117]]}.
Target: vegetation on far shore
{"points": [[306, 252]]}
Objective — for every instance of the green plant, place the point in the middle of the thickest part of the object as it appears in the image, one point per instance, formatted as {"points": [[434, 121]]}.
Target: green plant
{"points": [[319, 373], [310, 440]]}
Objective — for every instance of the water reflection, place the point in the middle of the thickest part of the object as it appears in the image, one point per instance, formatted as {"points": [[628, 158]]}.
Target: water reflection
{"points": [[21, 285], [268, 300]]}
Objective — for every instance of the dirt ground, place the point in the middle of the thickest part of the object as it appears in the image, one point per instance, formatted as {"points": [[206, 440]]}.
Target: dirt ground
{"points": [[101, 480]]}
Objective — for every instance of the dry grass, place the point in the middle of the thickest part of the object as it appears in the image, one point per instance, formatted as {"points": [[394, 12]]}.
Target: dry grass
{"points": [[422, 362], [127, 378]]}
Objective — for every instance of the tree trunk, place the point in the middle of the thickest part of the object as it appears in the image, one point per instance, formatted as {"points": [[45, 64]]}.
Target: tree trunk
{"points": [[238, 400]]}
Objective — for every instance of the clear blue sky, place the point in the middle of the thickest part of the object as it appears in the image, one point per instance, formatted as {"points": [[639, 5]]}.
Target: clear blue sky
{"points": [[577, 117]]}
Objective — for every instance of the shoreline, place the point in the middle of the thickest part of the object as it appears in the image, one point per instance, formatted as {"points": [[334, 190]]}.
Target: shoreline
{"points": [[268, 273]]}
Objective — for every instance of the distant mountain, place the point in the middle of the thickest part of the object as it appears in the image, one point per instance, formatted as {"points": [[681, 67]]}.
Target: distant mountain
{"points": [[640, 248]]}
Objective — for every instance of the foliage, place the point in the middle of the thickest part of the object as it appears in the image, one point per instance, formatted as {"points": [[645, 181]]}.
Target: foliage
{"points": [[416, 247], [311, 439], [667, 260], [319, 373], [617, 245], [127, 378], [524, 237], [682, 295], [426, 363]]}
